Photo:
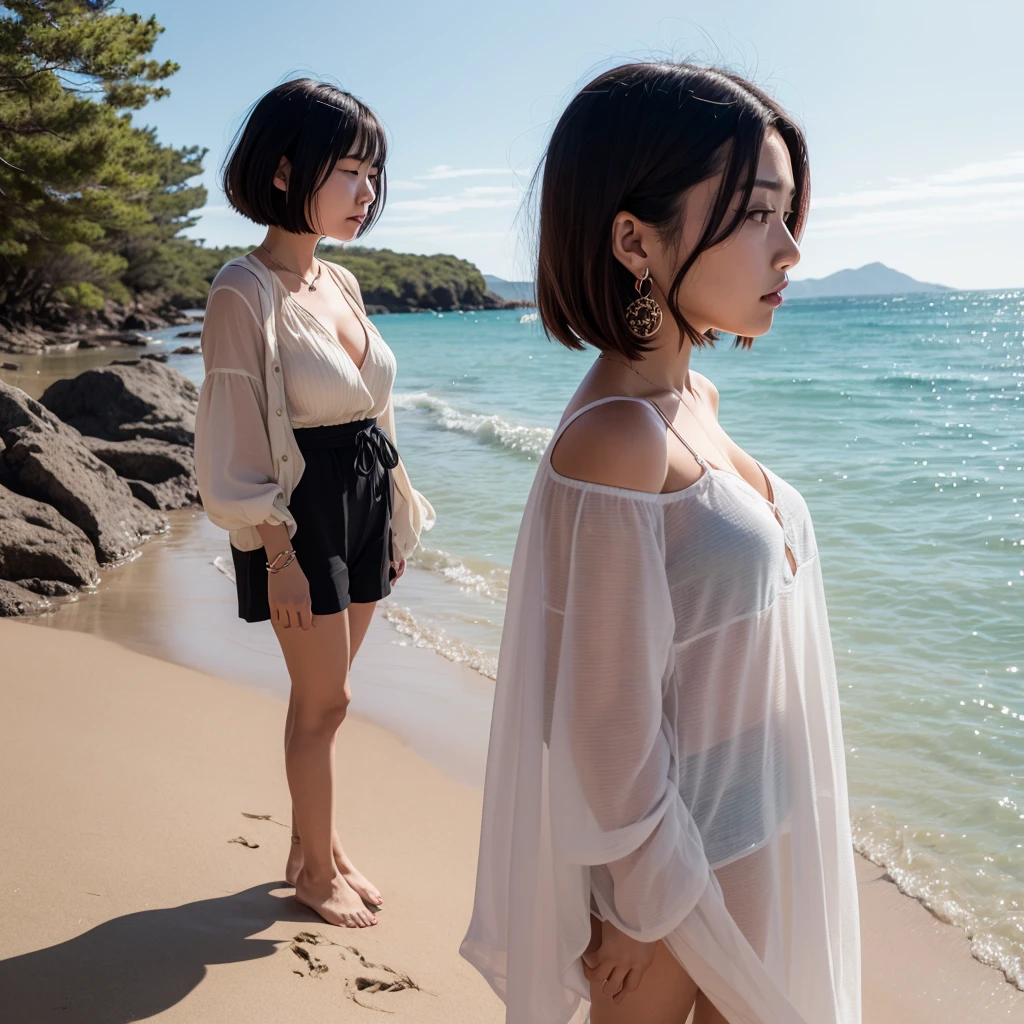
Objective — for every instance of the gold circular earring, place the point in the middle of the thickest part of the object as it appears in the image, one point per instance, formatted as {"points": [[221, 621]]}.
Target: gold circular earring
{"points": [[643, 315]]}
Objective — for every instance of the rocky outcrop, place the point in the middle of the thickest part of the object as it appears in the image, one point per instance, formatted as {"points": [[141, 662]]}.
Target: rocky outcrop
{"points": [[129, 400], [38, 543], [160, 474], [15, 600], [49, 462]]}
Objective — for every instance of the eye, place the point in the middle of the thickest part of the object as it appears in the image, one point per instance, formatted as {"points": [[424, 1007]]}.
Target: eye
{"points": [[761, 216]]}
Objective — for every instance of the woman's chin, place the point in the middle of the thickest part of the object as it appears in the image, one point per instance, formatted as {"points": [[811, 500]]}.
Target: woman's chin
{"points": [[344, 232]]}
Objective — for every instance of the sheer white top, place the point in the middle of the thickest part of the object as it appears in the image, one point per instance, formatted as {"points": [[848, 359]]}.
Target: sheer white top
{"points": [[666, 751]]}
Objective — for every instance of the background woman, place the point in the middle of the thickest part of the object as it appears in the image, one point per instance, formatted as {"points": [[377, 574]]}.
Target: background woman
{"points": [[295, 442], [665, 814]]}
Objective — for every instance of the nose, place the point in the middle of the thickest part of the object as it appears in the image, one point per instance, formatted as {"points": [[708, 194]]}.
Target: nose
{"points": [[788, 255]]}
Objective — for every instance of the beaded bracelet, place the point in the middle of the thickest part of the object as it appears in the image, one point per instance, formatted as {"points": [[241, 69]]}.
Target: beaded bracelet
{"points": [[273, 567]]}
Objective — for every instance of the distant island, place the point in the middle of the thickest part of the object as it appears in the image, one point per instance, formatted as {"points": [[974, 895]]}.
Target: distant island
{"points": [[871, 279], [514, 291]]}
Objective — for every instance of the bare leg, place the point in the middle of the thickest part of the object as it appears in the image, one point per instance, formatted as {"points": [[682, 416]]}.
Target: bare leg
{"points": [[747, 885], [318, 661], [360, 617]]}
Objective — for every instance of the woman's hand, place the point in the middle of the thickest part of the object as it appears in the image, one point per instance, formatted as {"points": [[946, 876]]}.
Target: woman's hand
{"points": [[399, 570], [288, 594], [617, 964]]}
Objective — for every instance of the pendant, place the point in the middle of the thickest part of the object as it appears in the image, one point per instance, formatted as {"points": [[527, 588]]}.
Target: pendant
{"points": [[312, 287]]}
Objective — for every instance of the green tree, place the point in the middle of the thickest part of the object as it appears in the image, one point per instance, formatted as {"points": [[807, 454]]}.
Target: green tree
{"points": [[88, 201]]}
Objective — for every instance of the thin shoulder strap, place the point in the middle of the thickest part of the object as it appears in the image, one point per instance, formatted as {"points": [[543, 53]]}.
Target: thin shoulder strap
{"points": [[671, 426], [586, 408], [627, 398]]}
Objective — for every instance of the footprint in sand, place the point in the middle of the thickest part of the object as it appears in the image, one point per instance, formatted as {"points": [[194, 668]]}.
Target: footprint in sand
{"points": [[361, 978], [247, 843]]}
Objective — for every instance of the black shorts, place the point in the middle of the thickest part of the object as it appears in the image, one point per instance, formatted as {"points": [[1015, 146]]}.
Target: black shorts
{"points": [[342, 511]]}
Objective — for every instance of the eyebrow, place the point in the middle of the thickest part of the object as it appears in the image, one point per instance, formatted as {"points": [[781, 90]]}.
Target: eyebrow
{"points": [[774, 185]]}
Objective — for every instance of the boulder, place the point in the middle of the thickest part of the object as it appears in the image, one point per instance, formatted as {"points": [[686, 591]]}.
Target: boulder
{"points": [[127, 400], [47, 588], [160, 474], [9, 366], [15, 600], [37, 541], [49, 462], [188, 334], [187, 350], [142, 322]]}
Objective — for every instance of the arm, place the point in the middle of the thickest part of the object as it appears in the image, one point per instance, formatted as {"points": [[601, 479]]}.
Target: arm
{"points": [[234, 465], [618, 808]]}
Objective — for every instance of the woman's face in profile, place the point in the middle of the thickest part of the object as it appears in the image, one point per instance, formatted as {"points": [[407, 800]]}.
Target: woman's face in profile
{"points": [[734, 285]]}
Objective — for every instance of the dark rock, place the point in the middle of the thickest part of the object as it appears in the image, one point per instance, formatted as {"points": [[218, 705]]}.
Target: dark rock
{"points": [[47, 588], [188, 334], [142, 322], [157, 357], [15, 600], [127, 399], [51, 464], [36, 540], [9, 366], [187, 350], [161, 475]]}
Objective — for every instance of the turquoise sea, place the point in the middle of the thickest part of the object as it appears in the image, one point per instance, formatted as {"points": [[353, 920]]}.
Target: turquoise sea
{"points": [[900, 419]]}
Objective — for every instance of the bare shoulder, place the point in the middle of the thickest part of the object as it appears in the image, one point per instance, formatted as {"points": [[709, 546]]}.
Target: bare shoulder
{"points": [[618, 444], [705, 388]]}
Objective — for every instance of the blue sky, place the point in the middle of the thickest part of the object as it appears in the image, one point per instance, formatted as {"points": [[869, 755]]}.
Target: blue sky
{"points": [[914, 111]]}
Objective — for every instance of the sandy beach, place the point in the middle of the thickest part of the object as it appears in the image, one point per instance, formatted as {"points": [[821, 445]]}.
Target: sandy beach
{"points": [[142, 876]]}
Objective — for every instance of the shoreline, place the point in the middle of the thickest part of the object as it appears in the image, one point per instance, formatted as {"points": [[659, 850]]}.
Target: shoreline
{"points": [[171, 604]]}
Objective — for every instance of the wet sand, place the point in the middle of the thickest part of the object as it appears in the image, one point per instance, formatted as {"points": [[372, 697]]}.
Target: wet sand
{"points": [[129, 769]]}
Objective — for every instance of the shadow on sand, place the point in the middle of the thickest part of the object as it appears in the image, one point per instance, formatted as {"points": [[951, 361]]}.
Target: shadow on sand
{"points": [[135, 966]]}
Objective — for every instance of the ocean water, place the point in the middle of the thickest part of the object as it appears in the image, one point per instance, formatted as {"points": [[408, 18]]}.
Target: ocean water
{"points": [[900, 419]]}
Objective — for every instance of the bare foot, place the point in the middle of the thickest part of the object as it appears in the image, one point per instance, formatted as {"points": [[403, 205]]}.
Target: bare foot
{"points": [[367, 891], [334, 900]]}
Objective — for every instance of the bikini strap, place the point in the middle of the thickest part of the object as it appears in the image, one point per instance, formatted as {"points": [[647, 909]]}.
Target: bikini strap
{"points": [[671, 426], [628, 398]]}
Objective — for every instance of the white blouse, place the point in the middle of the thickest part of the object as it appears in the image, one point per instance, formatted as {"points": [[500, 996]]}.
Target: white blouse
{"points": [[666, 752], [271, 366], [323, 383]]}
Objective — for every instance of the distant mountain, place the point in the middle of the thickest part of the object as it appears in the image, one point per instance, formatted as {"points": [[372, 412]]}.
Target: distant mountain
{"points": [[516, 291], [872, 279]]}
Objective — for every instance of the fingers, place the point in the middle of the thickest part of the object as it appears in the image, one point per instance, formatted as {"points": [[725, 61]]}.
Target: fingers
{"points": [[613, 985]]}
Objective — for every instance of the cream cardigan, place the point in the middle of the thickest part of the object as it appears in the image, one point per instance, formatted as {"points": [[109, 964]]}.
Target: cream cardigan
{"points": [[247, 460]]}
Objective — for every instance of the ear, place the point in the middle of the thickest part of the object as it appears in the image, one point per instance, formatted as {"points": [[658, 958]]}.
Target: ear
{"points": [[628, 235], [284, 170]]}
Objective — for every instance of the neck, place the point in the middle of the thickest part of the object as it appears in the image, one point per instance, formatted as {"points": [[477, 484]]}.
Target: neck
{"points": [[294, 251], [667, 364]]}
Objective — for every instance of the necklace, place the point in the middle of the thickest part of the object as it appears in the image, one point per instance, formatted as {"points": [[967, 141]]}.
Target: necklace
{"points": [[311, 285], [678, 395]]}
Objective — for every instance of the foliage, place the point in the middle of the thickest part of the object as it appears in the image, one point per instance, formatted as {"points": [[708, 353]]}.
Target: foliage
{"points": [[90, 205], [401, 281]]}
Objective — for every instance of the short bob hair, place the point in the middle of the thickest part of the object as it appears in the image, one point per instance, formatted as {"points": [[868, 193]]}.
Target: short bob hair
{"points": [[314, 125], [637, 138]]}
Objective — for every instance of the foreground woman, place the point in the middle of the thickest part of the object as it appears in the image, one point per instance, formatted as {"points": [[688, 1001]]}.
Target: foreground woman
{"points": [[665, 822]]}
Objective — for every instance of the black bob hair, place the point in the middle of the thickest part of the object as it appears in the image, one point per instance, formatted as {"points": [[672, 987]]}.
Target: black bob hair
{"points": [[314, 125], [637, 138]]}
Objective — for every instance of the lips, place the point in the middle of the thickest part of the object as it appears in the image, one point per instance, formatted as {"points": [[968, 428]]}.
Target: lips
{"points": [[360, 217], [774, 298]]}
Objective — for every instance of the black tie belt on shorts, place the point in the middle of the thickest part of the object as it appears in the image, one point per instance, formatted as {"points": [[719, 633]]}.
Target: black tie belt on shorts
{"points": [[375, 455]]}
